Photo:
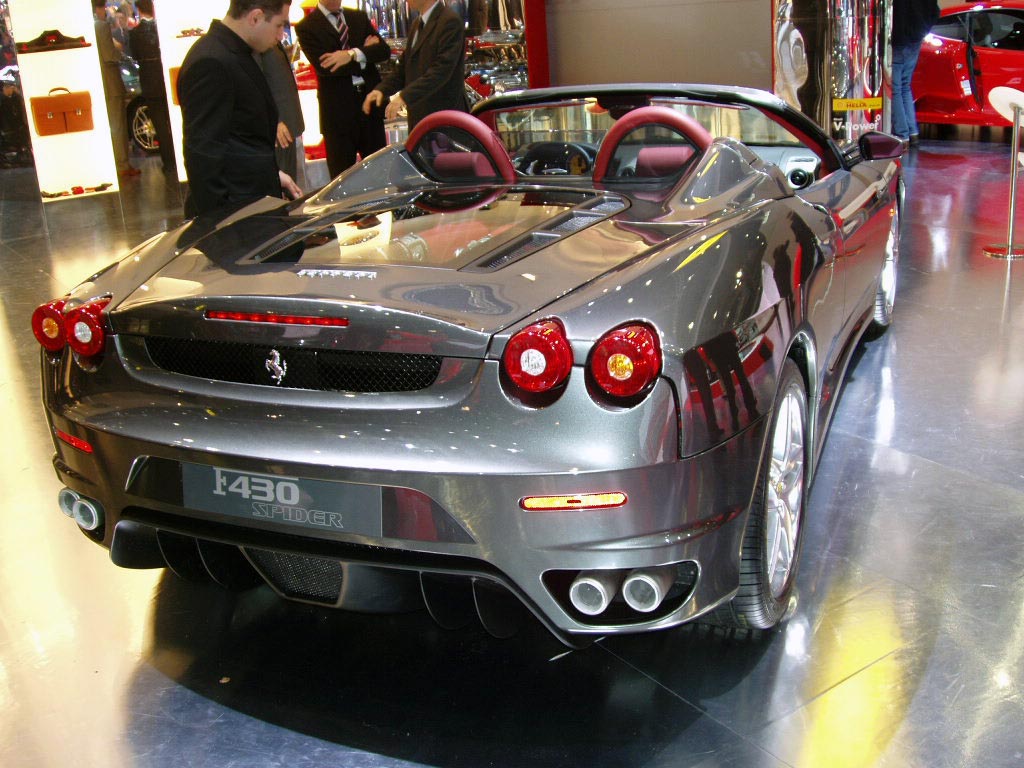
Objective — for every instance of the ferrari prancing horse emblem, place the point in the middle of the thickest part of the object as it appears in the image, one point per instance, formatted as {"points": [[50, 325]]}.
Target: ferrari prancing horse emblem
{"points": [[277, 367]]}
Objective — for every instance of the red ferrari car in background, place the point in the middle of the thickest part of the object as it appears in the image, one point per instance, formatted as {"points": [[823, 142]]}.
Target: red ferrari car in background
{"points": [[971, 50]]}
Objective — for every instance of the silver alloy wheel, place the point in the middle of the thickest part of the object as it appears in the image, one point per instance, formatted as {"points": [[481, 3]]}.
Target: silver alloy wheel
{"points": [[143, 130], [784, 493], [886, 298]]}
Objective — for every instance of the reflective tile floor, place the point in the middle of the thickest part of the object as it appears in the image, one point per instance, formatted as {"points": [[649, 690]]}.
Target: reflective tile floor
{"points": [[906, 649]]}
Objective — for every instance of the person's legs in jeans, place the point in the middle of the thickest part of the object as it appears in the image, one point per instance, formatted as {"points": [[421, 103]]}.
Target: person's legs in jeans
{"points": [[904, 59]]}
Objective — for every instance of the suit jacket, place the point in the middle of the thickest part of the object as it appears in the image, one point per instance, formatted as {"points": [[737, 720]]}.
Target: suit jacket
{"points": [[110, 64], [230, 124], [146, 50], [912, 20], [431, 74], [278, 70], [335, 91], [277, 67]]}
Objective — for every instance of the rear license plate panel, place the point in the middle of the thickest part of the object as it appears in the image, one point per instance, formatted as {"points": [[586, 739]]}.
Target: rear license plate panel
{"points": [[293, 502]]}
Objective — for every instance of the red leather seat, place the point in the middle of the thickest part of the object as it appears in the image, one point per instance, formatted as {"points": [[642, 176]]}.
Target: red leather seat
{"points": [[471, 150], [464, 165], [692, 134], [654, 162]]}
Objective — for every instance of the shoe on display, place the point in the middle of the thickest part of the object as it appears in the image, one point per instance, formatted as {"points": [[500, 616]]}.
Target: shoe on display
{"points": [[51, 40]]}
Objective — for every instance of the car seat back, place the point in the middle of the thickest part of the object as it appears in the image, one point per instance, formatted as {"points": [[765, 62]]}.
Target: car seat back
{"points": [[651, 143], [455, 146]]}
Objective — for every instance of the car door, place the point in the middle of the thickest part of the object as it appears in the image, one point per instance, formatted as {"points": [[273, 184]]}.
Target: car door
{"points": [[944, 83], [859, 200], [997, 37]]}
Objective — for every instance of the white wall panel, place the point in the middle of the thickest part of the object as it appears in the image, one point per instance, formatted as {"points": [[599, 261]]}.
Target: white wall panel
{"points": [[71, 160], [172, 19], [710, 41]]}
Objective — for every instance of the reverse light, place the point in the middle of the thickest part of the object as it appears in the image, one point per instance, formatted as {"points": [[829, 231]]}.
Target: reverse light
{"points": [[48, 325], [626, 360], [83, 328], [604, 500], [539, 357]]}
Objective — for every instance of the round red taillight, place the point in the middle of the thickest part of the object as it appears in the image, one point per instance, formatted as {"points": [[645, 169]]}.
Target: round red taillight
{"points": [[48, 325], [626, 361], [539, 357], [83, 327]]}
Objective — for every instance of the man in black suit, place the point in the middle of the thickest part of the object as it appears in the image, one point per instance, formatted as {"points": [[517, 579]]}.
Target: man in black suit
{"points": [[430, 75], [229, 116], [344, 48]]}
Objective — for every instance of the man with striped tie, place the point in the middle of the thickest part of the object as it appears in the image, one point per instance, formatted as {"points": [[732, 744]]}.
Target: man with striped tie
{"points": [[344, 48]]}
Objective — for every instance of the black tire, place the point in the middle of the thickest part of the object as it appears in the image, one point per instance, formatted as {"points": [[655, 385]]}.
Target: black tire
{"points": [[771, 542], [885, 296]]}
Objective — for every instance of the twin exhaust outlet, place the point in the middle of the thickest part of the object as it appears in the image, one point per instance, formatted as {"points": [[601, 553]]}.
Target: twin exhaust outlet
{"points": [[83, 510], [643, 589]]}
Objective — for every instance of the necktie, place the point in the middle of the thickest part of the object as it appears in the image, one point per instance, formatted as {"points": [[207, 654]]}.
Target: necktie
{"points": [[339, 22], [417, 27]]}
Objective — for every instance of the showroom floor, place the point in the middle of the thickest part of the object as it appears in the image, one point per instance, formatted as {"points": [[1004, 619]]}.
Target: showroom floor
{"points": [[906, 649]]}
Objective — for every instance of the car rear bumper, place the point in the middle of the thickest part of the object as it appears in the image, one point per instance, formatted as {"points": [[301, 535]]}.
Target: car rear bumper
{"points": [[689, 514], [431, 491]]}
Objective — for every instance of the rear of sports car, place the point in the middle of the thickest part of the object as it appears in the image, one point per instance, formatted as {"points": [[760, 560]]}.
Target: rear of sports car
{"points": [[413, 401]]}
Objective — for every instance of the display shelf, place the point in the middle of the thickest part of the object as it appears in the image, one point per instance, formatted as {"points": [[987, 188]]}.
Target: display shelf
{"points": [[79, 163]]}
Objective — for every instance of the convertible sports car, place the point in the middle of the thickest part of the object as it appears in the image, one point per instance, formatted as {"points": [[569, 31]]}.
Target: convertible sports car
{"points": [[576, 352], [973, 49]]}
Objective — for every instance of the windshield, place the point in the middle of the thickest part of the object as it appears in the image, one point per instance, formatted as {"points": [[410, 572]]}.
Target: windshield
{"points": [[586, 121]]}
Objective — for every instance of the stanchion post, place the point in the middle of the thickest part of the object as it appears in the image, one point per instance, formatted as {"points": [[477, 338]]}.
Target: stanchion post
{"points": [[1004, 102]]}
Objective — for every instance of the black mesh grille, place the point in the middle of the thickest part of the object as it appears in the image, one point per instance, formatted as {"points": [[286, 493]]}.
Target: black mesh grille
{"points": [[518, 250], [608, 206], [301, 577], [316, 369], [574, 223]]}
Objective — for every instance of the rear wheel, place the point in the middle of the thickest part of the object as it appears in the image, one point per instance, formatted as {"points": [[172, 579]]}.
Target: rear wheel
{"points": [[771, 543], [885, 297], [143, 132]]}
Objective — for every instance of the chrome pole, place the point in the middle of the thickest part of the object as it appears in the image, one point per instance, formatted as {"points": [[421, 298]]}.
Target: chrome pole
{"points": [[1013, 178], [1009, 251]]}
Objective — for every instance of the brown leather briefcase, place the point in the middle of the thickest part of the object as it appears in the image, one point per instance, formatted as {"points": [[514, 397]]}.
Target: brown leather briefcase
{"points": [[62, 111]]}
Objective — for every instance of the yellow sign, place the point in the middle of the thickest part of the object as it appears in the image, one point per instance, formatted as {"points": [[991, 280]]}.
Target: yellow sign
{"points": [[844, 105]]}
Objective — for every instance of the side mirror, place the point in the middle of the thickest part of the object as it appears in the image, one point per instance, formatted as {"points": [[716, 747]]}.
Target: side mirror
{"points": [[875, 145]]}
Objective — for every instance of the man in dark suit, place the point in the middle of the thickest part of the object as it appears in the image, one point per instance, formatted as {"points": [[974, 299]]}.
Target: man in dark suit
{"points": [[146, 49], [229, 116], [344, 48], [431, 71]]}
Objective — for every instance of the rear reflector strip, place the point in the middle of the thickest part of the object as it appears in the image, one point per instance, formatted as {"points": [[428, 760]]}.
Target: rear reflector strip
{"points": [[577, 501], [74, 442], [275, 319]]}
